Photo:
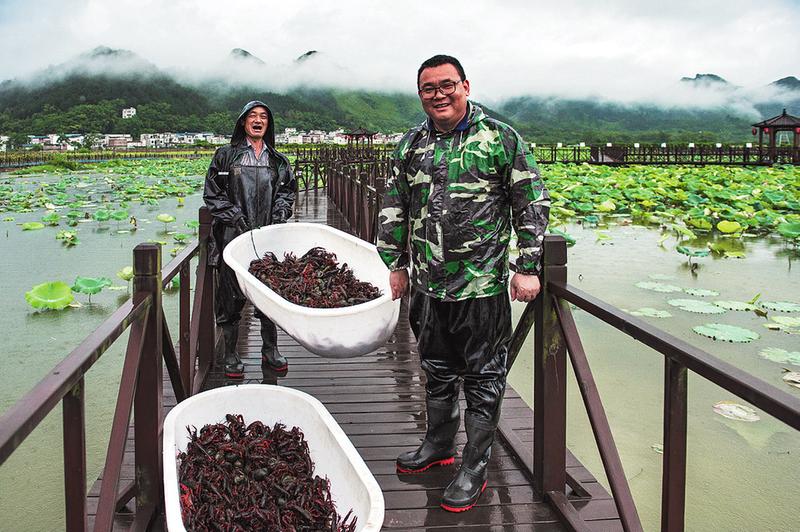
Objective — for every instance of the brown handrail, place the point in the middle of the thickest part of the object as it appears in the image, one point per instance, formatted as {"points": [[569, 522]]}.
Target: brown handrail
{"points": [[772, 400], [140, 386], [599, 422], [26, 414]]}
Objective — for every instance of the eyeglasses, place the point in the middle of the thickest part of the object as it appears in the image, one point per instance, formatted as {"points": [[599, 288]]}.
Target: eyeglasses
{"points": [[447, 88]]}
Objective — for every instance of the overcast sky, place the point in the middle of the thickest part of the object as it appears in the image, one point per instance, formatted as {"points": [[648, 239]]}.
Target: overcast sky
{"points": [[624, 50]]}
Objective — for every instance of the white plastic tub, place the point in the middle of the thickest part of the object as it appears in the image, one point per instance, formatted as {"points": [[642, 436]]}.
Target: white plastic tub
{"points": [[352, 483], [331, 333]]}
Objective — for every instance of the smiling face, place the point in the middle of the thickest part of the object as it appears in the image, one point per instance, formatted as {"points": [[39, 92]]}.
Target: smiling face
{"points": [[446, 111], [255, 123]]}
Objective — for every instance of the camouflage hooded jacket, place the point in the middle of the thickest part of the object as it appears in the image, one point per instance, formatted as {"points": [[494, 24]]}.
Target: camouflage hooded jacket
{"points": [[459, 193]]}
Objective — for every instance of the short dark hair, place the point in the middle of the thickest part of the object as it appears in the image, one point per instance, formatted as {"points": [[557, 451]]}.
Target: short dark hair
{"points": [[439, 60]]}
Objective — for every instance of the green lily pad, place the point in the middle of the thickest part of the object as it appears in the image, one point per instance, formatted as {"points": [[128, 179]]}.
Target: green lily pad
{"points": [[735, 305], [90, 285], [700, 292], [781, 356], [734, 255], [697, 306], [194, 224], [180, 237], [651, 313], [658, 287], [726, 226], [120, 215], [126, 273], [101, 216], [8, 219], [789, 230], [569, 238], [165, 218], [32, 226], [726, 333], [792, 378], [683, 250], [779, 306], [54, 295], [51, 219], [735, 411], [788, 321]]}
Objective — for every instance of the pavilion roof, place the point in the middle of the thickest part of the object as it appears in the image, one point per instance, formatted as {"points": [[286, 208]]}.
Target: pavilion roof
{"points": [[782, 120]]}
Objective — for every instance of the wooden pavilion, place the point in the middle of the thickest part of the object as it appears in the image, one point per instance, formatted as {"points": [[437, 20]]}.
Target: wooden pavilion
{"points": [[360, 137], [772, 126]]}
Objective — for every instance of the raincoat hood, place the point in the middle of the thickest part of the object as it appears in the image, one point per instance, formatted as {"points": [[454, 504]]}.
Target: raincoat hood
{"points": [[238, 131]]}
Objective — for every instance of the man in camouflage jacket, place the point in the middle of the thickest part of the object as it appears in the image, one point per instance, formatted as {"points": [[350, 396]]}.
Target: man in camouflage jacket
{"points": [[460, 181]]}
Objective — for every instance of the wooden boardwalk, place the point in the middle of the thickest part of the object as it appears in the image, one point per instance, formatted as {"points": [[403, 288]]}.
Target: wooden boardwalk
{"points": [[379, 401]]}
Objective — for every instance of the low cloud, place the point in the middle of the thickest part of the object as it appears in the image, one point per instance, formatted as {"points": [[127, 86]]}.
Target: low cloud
{"points": [[624, 51]]}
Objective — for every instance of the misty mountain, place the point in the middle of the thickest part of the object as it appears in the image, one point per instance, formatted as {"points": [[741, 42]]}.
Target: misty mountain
{"points": [[87, 94]]}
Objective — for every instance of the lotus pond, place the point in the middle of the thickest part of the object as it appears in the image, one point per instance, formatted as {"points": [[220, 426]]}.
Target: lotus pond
{"points": [[729, 282]]}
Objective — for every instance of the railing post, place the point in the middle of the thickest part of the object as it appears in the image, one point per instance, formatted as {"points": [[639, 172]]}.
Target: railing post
{"points": [[673, 483], [549, 377], [74, 428], [184, 328], [148, 403], [206, 333]]}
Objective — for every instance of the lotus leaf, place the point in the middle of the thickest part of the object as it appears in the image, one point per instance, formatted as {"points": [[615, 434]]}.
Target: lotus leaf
{"points": [[180, 237], [789, 230], [683, 231], [700, 292], [606, 206], [700, 223], [726, 226], [734, 255], [726, 333], [55, 295], [651, 313], [569, 238], [51, 219], [101, 216], [781, 306], [735, 411], [697, 306], [781, 356], [8, 219], [591, 219], [658, 287], [792, 378], [788, 321], [692, 252], [119, 215], [32, 226], [90, 285], [735, 305], [165, 218], [126, 273], [194, 224]]}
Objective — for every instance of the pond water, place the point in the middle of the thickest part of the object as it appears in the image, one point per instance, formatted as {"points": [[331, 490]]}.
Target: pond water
{"points": [[741, 475]]}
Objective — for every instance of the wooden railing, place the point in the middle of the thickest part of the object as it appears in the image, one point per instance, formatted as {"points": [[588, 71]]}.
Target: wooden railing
{"points": [[355, 191], [140, 388]]}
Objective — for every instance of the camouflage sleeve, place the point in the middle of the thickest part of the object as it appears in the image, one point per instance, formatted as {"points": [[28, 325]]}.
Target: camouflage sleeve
{"points": [[530, 205], [393, 218]]}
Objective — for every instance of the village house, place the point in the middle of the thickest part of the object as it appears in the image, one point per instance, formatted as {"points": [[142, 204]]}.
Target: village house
{"points": [[129, 112]]}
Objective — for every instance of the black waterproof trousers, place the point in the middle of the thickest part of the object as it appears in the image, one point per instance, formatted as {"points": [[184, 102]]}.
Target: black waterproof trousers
{"points": [[464, 340], [230, 300]]}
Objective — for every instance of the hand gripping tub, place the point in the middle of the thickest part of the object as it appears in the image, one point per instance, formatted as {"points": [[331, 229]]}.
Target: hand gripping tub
{"points": [[330, 333]]}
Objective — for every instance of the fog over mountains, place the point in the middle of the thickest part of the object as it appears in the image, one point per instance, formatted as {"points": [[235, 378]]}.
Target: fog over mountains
{"points": [[87, 93]]}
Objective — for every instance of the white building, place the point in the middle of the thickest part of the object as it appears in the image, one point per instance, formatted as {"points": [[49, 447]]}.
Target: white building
{"points": [[3, 142], [129, 112]]}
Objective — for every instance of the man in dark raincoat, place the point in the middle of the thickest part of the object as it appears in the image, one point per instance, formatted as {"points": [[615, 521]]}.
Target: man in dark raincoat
{"points": [[460, 181], [249, 184]]}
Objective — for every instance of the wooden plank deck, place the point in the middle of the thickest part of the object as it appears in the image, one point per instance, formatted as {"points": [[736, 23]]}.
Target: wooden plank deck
{"points": [[379, 401]]}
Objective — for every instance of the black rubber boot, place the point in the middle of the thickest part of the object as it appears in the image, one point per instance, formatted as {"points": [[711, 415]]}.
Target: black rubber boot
{"points": [[234, 369], [269, 348], [438, 447], [470, 481]]}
